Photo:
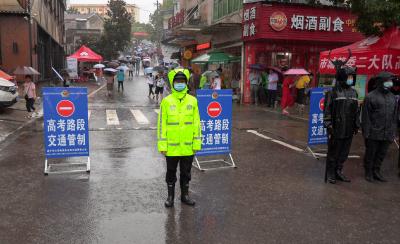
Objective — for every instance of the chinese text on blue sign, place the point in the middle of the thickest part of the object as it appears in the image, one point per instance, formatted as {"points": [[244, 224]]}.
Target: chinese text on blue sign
{"points": [[317, 133], [66, 131], [215, 107]]}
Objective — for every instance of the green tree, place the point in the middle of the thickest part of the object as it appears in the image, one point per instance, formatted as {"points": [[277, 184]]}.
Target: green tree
{"points": [[374, 16], [72, 10], [91, 41], [117, 30]]}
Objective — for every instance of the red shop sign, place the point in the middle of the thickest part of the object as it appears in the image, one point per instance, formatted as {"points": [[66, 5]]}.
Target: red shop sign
{"points": [[203, 46], [298, 22]]}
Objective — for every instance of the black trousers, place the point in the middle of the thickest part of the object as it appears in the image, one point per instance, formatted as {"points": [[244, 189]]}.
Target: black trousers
{"points": [[271, 96], [185, 166], [29, 104], [130, 73], [151, 90], [375, 153], [338, 151], [120, 84]]}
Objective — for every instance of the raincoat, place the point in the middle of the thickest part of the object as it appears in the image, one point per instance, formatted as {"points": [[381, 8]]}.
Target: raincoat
{"points": [[178, 130]]}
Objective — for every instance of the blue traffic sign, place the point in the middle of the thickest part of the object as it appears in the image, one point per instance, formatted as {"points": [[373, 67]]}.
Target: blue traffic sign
{"points": [[215, 107], [66, 130]]}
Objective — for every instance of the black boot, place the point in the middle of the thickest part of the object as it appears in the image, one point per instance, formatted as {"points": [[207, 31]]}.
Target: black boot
{"points": [[185, 195], [169, 203], [377, 176], [331, 177], [368, 175], [340, 176]]}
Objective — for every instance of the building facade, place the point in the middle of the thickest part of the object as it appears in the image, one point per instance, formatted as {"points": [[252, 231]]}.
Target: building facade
{"points": [[80, 26], [101, 9], [200, 26], [32, 34]]}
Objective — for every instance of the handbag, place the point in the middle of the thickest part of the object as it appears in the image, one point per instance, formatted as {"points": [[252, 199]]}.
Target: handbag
{"points": [[26, 94]]}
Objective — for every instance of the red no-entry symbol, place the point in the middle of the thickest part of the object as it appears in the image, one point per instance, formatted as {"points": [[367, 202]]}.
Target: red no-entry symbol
{"points": [[322, 104], [214, 109], [65, 108]]}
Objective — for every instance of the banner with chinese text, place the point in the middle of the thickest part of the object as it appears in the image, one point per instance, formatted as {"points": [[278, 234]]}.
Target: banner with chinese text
{"points": [[66, 130], [215, 107], [317, 133]]}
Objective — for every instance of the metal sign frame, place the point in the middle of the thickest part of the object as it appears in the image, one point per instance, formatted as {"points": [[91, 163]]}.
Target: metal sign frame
{"points": [[206, 99]]}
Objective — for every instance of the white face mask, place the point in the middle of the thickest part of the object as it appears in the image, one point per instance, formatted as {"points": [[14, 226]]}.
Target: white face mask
{"points": [[388, 84]]}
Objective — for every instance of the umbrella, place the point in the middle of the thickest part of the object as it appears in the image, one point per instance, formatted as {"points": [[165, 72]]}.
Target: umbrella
{"points": [[148, 70], [99, 66], [160, 68], [276, 69], [296, 72], [213, 57], [110, 70], [24, 70], [112, 64], [257, 66], [124, 68]]}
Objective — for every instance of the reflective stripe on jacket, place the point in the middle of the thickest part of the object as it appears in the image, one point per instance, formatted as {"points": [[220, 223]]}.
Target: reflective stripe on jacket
{"points": [[179, 131]]}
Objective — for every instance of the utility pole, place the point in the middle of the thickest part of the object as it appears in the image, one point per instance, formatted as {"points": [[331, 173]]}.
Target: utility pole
{"points": [[30, 31], [157, 5]]}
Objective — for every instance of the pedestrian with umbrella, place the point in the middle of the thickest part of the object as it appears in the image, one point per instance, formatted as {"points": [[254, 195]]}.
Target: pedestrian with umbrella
{"points": [[29, 88], [30, 95], [109, 74]]}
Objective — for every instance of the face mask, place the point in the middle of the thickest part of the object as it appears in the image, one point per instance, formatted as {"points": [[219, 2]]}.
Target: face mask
{"points": [[388, 84], [349, 82], [179, 86]]}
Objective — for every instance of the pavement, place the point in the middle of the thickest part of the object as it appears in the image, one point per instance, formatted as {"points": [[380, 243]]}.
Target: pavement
{"points": [[276, 195]]}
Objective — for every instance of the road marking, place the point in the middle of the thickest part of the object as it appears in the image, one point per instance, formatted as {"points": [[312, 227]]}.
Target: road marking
{"points": [[157, 111], [89, 113], [276, 141], [94, 92], [112, 117], [139, 116], [260, 135]]}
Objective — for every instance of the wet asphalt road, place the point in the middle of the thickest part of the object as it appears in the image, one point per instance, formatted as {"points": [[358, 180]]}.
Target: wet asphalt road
{"points": [[276, 195]]}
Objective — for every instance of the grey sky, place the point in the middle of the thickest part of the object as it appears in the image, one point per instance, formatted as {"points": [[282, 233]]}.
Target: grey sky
{"points": [[146, 6]]}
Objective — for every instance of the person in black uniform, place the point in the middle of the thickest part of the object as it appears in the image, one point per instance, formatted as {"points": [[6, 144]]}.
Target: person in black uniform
{"points": [[341, 118], [379, 125]]}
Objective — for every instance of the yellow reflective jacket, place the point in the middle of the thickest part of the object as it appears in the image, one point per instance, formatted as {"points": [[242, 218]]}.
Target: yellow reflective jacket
{"points": [[178, 130]]}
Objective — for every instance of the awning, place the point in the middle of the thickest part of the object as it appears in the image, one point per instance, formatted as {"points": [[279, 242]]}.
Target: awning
{"points": [[370, 56], [85, 54]]}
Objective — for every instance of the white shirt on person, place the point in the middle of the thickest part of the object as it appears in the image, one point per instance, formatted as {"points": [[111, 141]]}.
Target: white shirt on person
{"points": [[273, 81]]}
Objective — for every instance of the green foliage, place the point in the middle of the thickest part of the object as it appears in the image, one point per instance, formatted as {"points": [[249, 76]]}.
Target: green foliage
{"points": [[376, 15], [373, 15], [72, 10], [91, 41], [117, 30]]}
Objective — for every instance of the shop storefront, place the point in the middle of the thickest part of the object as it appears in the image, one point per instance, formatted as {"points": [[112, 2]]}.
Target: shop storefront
{"points": [[292, 36]]}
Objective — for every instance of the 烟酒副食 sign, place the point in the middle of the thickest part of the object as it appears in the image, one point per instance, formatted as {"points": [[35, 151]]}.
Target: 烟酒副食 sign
{"points": [[280, 21]]}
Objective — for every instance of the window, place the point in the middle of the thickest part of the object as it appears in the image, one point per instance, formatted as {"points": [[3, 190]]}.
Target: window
{"points": [[225, 7]]}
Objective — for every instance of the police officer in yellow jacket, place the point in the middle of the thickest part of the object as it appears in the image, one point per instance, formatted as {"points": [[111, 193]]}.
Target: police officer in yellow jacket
{"points": [[179, 134]]}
